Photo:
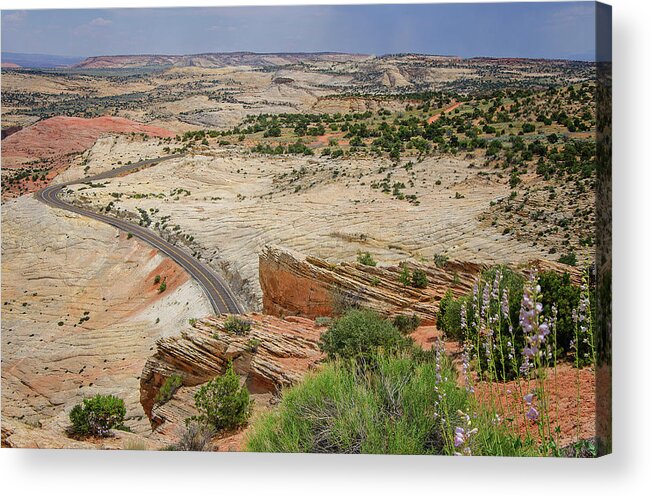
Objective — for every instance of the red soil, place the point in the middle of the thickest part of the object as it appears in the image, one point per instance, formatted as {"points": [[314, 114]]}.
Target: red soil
{"points": [[325, 139], [436, 117], [565, 410], [63, 135], [56, 139]]}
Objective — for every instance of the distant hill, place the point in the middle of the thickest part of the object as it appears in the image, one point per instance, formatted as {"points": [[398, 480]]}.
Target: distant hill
{"points": [[38, 61], [212, 59]]}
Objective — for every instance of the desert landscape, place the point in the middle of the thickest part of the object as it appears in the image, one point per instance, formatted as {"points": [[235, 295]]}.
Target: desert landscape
{"points": [[300, 252]]}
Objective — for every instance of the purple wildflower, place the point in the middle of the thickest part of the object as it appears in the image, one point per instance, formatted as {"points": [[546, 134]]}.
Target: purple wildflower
{"points": [[532, 414], [505, 303], [534, 330]]}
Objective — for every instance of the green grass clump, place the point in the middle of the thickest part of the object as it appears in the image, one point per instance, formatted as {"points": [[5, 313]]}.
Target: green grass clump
{"points": [[388, 406], [366, 259]]}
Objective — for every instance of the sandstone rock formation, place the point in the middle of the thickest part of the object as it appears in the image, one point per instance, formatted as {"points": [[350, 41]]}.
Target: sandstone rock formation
{"points": [[293, 284], [80, 315], [274, 354], [298, 285]]}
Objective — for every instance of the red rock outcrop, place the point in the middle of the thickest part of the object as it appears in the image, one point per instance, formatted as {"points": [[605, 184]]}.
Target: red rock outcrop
{"points": [[64, 135], [293, 284]]}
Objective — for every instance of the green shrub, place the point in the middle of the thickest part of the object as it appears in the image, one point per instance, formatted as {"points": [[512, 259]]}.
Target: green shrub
{"points": [[169, 387], [440, 260], [157, 279], [569, 259], [556, 290], [366, 259], [405, 275], [418, 279], [406, 324], [222, 403], [237, 325], [97, 415], [162, 287], [448, 317], [360, 333], [449, 320]]}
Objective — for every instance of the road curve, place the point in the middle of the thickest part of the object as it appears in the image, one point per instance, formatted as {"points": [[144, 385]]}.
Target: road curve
{"points": [[219, 294]]}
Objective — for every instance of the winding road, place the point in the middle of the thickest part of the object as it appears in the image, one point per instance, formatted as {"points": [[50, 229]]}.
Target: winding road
{"points": [[219, 294]]}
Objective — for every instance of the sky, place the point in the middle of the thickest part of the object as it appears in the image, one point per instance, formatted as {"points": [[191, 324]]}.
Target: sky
{"points": [[564, 30]]}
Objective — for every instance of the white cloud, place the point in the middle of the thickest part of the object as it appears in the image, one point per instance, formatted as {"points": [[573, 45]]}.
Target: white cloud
{"points": [[92, 27], [15, 17], [100, 21]]}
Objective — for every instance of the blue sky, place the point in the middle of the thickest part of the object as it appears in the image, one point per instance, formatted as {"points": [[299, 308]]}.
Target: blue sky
{"points": [[537, 30]]}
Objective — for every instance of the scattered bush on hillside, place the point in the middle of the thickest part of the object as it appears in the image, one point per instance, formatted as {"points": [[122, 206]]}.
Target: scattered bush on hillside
{"points": [[237, 325], [440, 260], [169, 387], [418, 279], [222, 403], [405, 275], [345, 300], [569, 259], [366, 259], [196, 437], [97, 416]]}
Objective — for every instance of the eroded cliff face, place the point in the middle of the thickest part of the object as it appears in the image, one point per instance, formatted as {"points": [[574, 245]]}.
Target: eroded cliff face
{"points": [[274, 354], [297, 285]]}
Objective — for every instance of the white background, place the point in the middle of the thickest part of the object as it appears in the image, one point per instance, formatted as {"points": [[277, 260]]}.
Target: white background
{"points": [[626, 472]]}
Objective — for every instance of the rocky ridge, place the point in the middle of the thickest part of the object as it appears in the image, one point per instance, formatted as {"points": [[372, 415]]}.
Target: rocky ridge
{"points": [[274, 354], [295, 284]]}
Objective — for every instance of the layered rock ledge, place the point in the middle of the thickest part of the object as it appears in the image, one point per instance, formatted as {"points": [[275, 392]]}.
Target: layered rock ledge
{"points": [[297, 285], [275, 353]]}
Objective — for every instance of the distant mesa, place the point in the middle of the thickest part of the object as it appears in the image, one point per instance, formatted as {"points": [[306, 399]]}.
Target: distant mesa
{"points": [[37, 61], [211, 60]]}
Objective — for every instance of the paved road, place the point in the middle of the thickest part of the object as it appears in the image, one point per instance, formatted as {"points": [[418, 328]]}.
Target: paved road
{"points": [[219, 294]]}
